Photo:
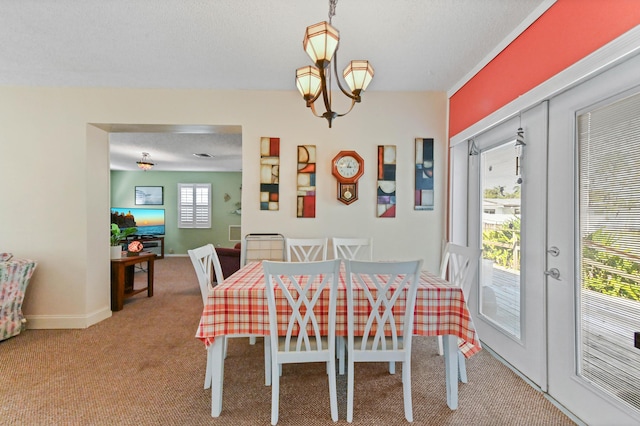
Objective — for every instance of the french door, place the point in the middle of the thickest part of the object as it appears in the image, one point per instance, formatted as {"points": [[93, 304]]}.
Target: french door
{"points": [[507, 169], [593, 243]]}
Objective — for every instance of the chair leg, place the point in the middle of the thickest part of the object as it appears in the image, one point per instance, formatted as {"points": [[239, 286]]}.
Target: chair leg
{"points": [[350, 385], [406, 391], [275, 393], [333, 393], [225, 346], [462, 368], [392, 368], [340, 349], [267, 361], [252, 340], [440, 349], [207, 374]]}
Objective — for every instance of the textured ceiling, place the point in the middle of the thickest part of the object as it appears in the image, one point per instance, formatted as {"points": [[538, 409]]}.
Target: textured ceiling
{"points": [[414, 45]]}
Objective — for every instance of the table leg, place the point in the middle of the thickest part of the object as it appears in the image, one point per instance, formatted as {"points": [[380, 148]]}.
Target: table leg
{"points": [[217, 375], [450, 343], [117, 287], [150, 277]]}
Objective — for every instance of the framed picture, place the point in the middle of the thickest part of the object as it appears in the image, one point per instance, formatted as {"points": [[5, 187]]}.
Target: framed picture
{"points": [[150, 195]]}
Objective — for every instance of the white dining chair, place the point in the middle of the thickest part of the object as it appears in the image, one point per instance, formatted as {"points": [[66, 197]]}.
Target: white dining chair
{"points": [[206, 263], [459, 266], [305, 249], [352, 248], [303, 285], [387, 336]]}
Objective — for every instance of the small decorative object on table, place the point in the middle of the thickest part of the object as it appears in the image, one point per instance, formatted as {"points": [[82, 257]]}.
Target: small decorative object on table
{"points": [[117, 236], [134, 248]]}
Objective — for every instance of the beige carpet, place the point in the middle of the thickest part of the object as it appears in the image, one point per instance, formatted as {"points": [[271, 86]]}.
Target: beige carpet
{"points": [[144, 366]]}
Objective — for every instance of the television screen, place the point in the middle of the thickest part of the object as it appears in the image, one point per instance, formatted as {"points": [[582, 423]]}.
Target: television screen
{"points": [[148, 221]]}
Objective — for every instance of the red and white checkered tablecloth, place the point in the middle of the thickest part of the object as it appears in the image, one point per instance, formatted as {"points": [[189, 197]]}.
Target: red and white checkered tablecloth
{"points": [[239, 306]]}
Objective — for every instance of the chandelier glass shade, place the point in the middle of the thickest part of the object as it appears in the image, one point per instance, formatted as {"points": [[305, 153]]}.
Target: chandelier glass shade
{"points": [[321, 43], [145, 162]]}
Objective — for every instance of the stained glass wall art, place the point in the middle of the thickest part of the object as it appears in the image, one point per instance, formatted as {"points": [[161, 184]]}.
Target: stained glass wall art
{"points": [[386, 202], [269, 173], [424, 197], [306, 196]]}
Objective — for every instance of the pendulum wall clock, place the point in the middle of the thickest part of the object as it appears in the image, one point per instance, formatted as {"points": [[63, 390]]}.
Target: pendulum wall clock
{"points": [[347, 167]]}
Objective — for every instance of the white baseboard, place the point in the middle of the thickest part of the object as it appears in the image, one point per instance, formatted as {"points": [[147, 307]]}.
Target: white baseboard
{"points": [[49, 322]]}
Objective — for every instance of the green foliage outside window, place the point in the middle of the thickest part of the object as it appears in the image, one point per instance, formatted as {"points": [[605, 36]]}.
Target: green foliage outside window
{"points": [[502, 245], [607, 269]]}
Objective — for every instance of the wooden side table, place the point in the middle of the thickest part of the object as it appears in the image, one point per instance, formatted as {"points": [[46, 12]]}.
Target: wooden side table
{"points": [[122, 278]]}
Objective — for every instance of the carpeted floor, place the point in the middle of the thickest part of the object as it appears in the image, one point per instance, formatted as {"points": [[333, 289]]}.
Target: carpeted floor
{"points": [[143, 366]]}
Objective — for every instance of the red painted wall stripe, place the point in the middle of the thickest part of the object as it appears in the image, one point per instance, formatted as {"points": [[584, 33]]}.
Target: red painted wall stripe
{"points": [[566, 33]]}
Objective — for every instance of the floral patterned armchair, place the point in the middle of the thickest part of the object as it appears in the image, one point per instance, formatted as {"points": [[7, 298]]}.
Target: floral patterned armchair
{"points": [[14, 278]]}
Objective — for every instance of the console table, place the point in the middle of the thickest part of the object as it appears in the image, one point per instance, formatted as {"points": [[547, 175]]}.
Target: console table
{"points": [[122, 278]]}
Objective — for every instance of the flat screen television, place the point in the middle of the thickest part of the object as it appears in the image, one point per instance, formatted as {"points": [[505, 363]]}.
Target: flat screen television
{"points": [[148, 221]]}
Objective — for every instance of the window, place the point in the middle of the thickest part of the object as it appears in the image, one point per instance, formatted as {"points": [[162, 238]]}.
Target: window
{"points": [[194, 205]]}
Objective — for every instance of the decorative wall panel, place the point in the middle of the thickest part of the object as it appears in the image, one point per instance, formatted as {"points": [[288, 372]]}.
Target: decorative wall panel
{"points": [[386, 203], [269, 173], [424, 197], [306, 201]]}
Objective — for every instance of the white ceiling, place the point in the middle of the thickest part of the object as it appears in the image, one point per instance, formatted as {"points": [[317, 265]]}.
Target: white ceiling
{"points": [[414, 45]]}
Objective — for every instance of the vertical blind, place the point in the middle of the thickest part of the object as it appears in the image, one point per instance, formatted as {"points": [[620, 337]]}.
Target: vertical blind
{"points": [[609, 189], [194, 205]]}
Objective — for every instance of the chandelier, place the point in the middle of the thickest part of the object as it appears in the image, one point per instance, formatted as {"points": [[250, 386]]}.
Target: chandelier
{"points": [[145, 162], [321, 44]]}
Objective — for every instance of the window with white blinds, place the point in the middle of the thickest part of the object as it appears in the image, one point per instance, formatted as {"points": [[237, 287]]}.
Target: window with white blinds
{"points": [[609, 165], [194, 205]]}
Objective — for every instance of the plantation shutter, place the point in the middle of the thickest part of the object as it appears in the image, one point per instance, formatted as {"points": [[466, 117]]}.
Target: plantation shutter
{"points": [[608, 142], [194, 205]]}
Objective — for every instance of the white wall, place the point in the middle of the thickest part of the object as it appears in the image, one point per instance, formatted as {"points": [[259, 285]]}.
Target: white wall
{"points": [[54, 169]]}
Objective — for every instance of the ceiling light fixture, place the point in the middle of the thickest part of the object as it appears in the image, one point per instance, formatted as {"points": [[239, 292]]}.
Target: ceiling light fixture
{"points": [[145, 162], [321, 44]]}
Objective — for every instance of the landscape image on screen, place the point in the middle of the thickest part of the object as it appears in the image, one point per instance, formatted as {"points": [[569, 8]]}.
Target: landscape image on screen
{"points": [[148, 221]]}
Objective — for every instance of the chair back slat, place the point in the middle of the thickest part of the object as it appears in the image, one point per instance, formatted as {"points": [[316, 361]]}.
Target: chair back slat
{"points": [[303, 286], [353, 248], [390, 289], [205, 261], [459, 265], [306, 249]]}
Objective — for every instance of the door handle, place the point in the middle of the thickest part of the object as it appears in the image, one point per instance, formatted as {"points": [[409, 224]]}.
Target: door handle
{"points": [[553, 273]]}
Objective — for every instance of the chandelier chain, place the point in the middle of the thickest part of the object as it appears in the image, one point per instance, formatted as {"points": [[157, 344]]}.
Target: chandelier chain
{"points": [[332, 9]]}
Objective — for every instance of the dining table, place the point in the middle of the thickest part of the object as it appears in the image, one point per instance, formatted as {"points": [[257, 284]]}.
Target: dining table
{"points": [[238, 307]]}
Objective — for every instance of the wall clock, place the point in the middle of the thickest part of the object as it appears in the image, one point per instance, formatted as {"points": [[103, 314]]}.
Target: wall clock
{"points": [[347, 167]]}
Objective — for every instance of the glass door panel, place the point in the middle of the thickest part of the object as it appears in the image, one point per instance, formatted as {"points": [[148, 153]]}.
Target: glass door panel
{"points": [[610, 247], [500, 268]]}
